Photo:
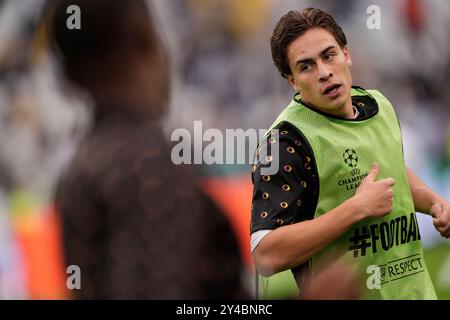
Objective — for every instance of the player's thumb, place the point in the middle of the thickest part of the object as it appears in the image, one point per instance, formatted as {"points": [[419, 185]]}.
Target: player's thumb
{"points": [[373, 172]]}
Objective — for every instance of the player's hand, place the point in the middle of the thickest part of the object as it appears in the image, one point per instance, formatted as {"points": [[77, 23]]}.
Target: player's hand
{"points": [[375, 198], [441, 218]]}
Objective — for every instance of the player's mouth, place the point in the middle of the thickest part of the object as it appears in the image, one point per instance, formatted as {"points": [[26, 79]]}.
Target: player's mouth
{"points": [[332, 90]]}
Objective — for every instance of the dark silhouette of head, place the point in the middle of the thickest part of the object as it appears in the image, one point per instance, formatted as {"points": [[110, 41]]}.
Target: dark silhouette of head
{"points": [[116, 54]]}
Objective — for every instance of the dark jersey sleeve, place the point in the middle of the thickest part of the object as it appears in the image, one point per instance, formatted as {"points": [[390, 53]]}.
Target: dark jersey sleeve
{"points": [[290, 195]]}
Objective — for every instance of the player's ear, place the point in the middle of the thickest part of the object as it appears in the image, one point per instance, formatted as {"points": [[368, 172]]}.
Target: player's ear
{"points": [[290, 78], [348, 59]]}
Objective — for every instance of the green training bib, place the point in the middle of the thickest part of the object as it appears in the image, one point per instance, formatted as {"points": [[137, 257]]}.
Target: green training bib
{"points": [[387, 250]]}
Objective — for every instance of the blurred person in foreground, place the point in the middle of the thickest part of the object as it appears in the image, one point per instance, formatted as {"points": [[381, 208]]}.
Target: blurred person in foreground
{"points": [[135, 223], [342, 187]]}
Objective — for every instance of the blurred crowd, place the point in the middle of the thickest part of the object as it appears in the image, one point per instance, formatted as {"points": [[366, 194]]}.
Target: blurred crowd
{"points": [[222, 74]]}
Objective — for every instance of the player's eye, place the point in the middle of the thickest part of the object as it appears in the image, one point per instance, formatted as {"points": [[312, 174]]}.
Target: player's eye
{"points": [[305, 67], [329, 56]]}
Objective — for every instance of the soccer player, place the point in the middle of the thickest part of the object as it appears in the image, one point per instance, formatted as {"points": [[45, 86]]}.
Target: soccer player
{"points": [[342, 187]]}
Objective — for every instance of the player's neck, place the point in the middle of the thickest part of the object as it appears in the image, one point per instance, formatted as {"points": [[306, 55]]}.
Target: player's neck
{"points": [[348, 111]]}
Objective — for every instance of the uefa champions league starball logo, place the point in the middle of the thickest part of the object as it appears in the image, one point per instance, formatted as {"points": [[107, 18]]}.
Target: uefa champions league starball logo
{"points": [[350, 158]]}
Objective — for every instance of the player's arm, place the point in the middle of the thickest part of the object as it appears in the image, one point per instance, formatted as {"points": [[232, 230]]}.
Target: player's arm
{"points": [[291, 245], [429, 202], [423, 196]]}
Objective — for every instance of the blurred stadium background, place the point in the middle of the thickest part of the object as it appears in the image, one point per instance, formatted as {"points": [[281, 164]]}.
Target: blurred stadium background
{"points": [[222, 74]]}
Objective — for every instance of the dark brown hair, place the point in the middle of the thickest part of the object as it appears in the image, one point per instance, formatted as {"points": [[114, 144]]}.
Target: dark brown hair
{"points": [[294, 24], [108, 26]]}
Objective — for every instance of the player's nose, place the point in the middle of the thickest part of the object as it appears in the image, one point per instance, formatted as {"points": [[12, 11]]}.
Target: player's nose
{"points": [[324, 72]]}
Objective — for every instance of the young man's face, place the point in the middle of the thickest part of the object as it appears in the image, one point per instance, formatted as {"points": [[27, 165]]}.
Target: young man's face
{"points": [[320, 72]]}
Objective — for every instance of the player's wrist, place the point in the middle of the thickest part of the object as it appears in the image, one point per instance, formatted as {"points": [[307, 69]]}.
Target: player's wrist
{"points": [[442, 203], [357, 209], [437, 201]]}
